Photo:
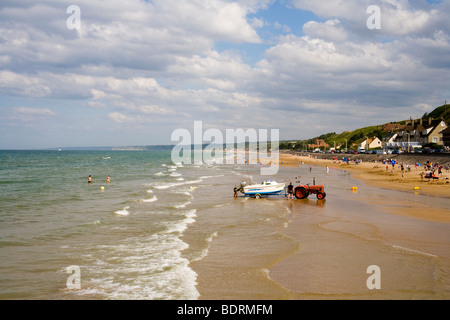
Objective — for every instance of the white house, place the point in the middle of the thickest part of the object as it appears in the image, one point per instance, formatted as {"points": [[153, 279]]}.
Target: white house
{"points": [[370, 143], [390, 138]]}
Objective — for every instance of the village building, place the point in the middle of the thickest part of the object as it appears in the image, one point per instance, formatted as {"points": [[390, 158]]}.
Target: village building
{"points": [[370, 143], [393, 127], [418, 133], [446, 137], [319, 144], [390, 139]]}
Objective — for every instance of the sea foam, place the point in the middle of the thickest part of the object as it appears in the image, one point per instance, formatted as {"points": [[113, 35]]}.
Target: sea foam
{"points": [[123, 212], [150, 200]]}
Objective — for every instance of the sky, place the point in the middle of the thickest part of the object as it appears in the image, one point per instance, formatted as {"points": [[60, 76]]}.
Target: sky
{"points": [[132, 72]]}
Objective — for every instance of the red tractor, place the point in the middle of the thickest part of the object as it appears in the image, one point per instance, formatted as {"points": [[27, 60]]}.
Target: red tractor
{"points": [[303, 191]]}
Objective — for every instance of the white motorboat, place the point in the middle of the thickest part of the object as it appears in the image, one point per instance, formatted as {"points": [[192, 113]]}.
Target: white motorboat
{"points": [[265, 188]]}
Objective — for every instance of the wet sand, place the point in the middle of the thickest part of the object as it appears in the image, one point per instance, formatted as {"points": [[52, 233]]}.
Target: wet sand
{"points": [[279, 249]]}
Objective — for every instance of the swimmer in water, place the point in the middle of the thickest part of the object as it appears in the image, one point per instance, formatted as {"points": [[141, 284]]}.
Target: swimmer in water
{"points": [[90, 179], [108, 179]]}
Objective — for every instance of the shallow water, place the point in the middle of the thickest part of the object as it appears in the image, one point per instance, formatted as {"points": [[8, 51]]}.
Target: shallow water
{"points": [[126, 240]]}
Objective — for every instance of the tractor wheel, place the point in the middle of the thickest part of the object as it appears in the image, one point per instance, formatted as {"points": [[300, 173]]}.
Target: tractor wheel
{"points": [[321, 195], [301, 193], [258, 196]]}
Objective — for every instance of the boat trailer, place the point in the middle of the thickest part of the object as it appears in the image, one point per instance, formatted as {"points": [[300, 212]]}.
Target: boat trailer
{"points": [[300, 191]]}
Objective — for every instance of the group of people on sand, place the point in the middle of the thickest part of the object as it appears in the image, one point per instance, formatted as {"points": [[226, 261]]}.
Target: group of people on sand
{"points": [[108, 179], [434, 171], [430, 170], [436, 167]]}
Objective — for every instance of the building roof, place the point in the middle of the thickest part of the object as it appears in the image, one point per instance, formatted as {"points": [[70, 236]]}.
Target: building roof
{"points": [[319, 143], [433, 123], [393, 127], [425, 128], [390, 135]]}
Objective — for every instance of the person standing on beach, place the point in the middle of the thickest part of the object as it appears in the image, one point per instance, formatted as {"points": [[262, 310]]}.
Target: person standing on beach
{"points": [[290, 191]]}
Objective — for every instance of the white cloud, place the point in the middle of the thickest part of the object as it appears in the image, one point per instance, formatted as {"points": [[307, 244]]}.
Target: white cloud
{"points": [[282, 27], [24, 116], [98, 94], [151, 109], [20, 84], [120, 118], [304, 57], [257, 23], [98, 105], [398, 17], [112, 32], [223, 71], [333, 8], [330, 30], [33, 112]]}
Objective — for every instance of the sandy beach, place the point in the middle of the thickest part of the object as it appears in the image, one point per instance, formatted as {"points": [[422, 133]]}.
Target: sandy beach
{"points": [[386, 176], [279, 249], [379, 174]]}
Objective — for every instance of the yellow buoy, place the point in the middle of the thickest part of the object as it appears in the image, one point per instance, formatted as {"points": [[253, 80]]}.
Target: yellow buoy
{"points": [[102, 188]]}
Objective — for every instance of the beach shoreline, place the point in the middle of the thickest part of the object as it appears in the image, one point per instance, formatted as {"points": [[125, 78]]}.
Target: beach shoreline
{"points": [[320, 249], [374, 172]]}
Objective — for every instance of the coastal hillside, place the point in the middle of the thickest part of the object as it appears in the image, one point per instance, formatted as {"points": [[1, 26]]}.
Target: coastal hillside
{"points": [[440, 112], [349, 139]]}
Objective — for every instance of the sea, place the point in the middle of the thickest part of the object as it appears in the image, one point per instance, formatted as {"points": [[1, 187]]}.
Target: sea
{"points": [[171, 231], [124, 236]]}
